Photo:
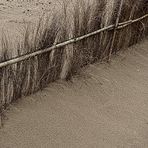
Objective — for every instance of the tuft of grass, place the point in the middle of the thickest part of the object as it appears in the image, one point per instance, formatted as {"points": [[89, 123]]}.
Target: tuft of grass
{"points": [[72, 19]]}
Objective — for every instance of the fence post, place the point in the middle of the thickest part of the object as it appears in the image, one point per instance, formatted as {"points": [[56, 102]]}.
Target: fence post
{"points": [[115, 29]]}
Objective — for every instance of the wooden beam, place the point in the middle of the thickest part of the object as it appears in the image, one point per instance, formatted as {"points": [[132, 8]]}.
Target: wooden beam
{"points": [[36, 53]]}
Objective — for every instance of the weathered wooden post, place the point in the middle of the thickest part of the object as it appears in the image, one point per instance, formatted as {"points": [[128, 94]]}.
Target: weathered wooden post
{"points": [[115, 29]]}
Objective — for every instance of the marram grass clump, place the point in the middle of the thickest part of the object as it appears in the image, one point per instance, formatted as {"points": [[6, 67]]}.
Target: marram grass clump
{"points": [[73, 18]]}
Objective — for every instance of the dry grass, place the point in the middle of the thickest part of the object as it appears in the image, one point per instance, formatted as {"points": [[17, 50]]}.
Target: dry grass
{"points": [[73, 18]]}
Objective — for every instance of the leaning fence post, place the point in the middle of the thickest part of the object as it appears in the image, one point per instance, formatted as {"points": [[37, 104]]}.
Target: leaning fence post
{"points": [[115, 29]]}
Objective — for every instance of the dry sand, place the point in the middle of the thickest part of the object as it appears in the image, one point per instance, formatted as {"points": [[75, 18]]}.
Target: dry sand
{"points": [[15, 15], [17, 12], [106, 106]]}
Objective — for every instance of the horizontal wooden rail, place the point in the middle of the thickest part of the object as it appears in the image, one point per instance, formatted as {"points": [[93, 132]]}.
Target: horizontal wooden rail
{"points": [[29, 55], [124, 24]]}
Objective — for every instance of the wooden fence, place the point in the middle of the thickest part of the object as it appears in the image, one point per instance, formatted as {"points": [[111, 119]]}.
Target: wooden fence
{"points": [[115, 27]]}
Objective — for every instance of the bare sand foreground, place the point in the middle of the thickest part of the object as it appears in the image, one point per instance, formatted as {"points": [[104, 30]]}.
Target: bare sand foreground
{"points": [[106, 106]]}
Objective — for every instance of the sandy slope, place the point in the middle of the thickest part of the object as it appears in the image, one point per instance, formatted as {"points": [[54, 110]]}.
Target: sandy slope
{"points": [[105, 107]]}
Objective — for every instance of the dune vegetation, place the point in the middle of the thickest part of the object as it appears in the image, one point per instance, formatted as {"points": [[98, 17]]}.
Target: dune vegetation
{"points": [[71, 19]]}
